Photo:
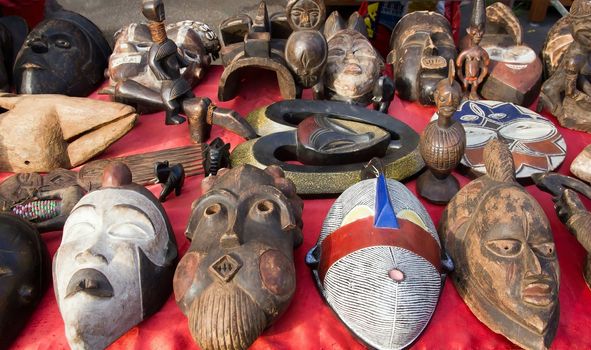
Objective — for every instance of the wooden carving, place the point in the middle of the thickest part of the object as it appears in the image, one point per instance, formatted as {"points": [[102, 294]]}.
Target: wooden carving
{"points": [[115, 263], [473, 61], [24, 268], [442, 144], [567, 93], [570, 209], [238, 275], [41, 133], [44, 200], [421, 45], [503, 250], [581, 165]]}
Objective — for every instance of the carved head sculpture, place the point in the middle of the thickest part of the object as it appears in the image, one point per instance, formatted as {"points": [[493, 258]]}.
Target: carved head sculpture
{"points": [[305, 14], [129, 60], [22, 280], [377, 263], [448, 93], [64, 54], [421, 45], [506, 268], [238, 275], [477, 21], [306, 52], [115, 264], [580, 13], [353, 66]]}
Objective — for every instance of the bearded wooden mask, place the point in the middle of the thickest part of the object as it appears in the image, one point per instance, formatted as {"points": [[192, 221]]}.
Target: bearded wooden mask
{"points": [[238, 275], [22, 263], [115, 264], [506, 268]]}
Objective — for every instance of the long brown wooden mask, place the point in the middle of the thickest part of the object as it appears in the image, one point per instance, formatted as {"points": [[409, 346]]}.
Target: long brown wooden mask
{"points": [[238, 275], [506, 268]]}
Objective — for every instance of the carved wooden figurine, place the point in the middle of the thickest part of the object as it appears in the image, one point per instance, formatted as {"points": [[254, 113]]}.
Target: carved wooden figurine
{"points": [[473, 62], [64, 54], [570, 209], [40, 133], [567, 92], [24, 274], [442, 144], [238, 275], [506, 268], [581, 165], [115, 264]]}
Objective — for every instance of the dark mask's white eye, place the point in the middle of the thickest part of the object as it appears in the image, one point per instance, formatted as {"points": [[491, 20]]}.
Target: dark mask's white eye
{"points": [[62, 43], [505, 247], [130, 231]]}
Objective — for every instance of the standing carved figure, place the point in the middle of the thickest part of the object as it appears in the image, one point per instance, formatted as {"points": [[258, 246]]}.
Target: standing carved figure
{"points": [[165, 62], [473, 62], [442, 144], [567, 92]]}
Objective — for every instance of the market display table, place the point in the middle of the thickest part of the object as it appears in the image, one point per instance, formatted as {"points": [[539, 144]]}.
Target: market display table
{"points": [[309, 323]]}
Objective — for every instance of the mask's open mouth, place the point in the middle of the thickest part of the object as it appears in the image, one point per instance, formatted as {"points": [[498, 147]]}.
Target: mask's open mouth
{"points": [[90, 281]]}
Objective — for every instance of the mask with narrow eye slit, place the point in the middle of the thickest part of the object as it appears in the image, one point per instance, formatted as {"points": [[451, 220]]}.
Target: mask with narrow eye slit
{"points": [[115, 264], [503, 249]]}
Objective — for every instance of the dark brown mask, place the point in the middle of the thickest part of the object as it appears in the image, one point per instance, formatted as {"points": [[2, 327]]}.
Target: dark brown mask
{"points": [[506, 266], [238, 275], [421, 45], [65, 54], [22, 265]]}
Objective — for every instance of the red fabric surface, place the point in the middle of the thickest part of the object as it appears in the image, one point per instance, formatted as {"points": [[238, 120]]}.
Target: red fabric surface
{"points": [[309, 323]]}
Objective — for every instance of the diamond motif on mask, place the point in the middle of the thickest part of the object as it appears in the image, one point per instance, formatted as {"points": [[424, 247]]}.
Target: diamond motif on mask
{"points": [[225, 268]]}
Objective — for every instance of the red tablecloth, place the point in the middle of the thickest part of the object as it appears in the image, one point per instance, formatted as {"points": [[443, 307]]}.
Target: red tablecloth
{"points": [[309, 323]]}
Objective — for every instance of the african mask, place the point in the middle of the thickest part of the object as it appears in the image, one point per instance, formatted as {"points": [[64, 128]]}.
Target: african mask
{"points": [[352, 67], [238, 275], [45, 132], [421, 45], [305, 14], [22, 274], [506, 268], [64, 54], [378, 263], [129, 60], [305, 53], [115, 264], [44, 200]]}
